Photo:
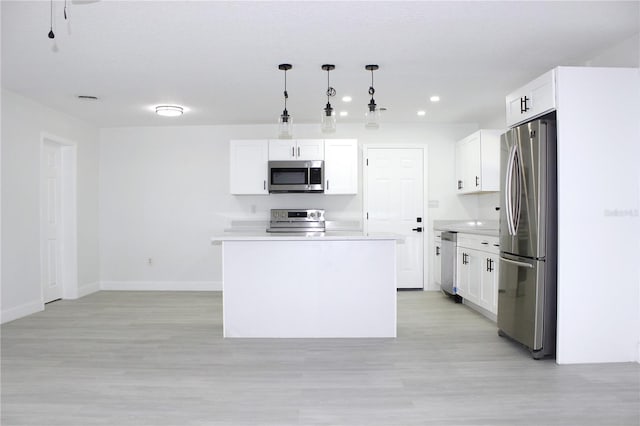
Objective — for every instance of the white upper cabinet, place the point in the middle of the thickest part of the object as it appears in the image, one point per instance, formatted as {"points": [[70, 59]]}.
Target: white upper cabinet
{"points": [[248, 166], [531, 100], [340, 166], [296, 149], [478, 162]]}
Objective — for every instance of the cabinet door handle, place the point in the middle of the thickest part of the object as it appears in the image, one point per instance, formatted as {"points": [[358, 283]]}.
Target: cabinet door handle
{"points": [[327, 184], [523, 105], [487, 264], [490, 265], [298, 151], [459, 184], [477, 180], [437, 251], [293, 151], [264, 185]]}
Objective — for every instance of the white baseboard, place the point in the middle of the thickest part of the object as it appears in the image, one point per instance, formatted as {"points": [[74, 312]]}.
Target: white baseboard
{"points": [[21, 311], [86, 289], [162, 285]]}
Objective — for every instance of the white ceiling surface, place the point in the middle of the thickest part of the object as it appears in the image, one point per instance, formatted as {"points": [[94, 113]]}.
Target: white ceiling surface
{"points": [[220, 59]]}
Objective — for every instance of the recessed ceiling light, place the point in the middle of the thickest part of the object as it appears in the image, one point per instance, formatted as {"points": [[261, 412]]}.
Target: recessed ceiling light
{"points": [[169, 110], [435, 98], [422, 113], [344, 113], [346, 99]]}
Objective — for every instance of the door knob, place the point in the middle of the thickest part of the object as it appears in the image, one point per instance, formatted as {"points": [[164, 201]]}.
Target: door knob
{"points": [[418, 229]]}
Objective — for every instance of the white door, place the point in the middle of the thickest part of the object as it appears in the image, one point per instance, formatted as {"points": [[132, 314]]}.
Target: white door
{"points": [[394, 203], [51, 267]]}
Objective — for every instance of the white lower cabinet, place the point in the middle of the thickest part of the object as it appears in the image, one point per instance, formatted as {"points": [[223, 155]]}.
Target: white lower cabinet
{"points": [[477, 270]]}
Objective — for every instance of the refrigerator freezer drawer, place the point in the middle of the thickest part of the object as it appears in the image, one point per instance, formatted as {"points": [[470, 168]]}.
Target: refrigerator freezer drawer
{"points": [[526, 303]]}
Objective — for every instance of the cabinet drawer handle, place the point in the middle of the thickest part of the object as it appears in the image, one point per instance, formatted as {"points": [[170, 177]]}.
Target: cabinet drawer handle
{"points": [[484, 242], [477, 180], [264, 185]]}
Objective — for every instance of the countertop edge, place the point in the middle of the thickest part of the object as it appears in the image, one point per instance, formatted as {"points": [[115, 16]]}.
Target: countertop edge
{"points": [[315, 237]]}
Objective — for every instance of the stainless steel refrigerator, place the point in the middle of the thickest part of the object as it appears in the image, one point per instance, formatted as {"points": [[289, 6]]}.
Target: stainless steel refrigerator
{"points": [[528, 236]]}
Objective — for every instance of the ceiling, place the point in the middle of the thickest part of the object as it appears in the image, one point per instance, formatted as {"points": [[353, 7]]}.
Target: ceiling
{"points": [[219, 59]]}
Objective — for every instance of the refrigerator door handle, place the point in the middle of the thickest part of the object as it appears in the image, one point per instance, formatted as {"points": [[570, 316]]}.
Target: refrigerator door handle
{"points": [[514, 262], [507, 192], [517, 167]]}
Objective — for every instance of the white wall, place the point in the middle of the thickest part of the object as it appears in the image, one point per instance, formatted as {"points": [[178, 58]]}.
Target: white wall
{"points": [[623, 54], [164, 192], [598, 214], [23, 122]]}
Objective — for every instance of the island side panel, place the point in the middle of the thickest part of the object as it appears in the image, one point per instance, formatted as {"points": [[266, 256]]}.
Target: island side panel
{"points": [[309, 288]]}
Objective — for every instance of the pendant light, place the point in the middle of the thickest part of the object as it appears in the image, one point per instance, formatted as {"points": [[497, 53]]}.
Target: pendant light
{"points": [[51, 34], [372, 117], [328, 123], [285, 124]]}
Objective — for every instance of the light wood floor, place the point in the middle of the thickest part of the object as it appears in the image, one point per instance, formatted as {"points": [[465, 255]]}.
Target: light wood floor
{"points": [[158, 358]]}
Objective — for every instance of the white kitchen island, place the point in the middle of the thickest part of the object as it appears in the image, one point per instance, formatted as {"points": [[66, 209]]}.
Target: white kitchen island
{"points": [[293, 285]]}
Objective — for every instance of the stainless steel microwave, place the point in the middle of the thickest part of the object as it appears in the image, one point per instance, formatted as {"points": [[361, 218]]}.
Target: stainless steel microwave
{"points": [[296, 176]]}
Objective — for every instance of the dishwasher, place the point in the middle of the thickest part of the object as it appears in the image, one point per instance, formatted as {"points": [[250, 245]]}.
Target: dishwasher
{"points": [[448, 264]]}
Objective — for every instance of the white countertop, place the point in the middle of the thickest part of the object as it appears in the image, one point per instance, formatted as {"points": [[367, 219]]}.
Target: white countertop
{"points": [[479, 227], [300, 236]]}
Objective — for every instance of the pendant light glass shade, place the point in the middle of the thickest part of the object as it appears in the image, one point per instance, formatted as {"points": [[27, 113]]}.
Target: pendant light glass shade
{"points": [[328, 123], [285, 122], [372, 119], [285, 126], [372, 116], [328, 120]]}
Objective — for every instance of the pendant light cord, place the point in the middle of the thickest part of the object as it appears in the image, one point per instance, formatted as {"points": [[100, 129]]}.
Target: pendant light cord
{"points": [[286, 95]]}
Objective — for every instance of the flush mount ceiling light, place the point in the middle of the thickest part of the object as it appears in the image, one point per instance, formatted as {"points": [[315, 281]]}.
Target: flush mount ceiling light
{"points": [[169, 110], [422, 113], [285, 123], [372, 116], [328, 123]]}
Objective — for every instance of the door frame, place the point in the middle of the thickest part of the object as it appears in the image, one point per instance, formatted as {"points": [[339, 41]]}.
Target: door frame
{"points": [[426, 250], [68, 218]]}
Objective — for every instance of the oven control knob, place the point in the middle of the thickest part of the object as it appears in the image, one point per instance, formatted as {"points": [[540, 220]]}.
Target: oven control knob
{"points": [[312, 215]]}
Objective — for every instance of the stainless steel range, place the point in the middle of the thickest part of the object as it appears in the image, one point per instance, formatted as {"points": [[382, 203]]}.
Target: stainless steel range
{"points": [[296, 220]]}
